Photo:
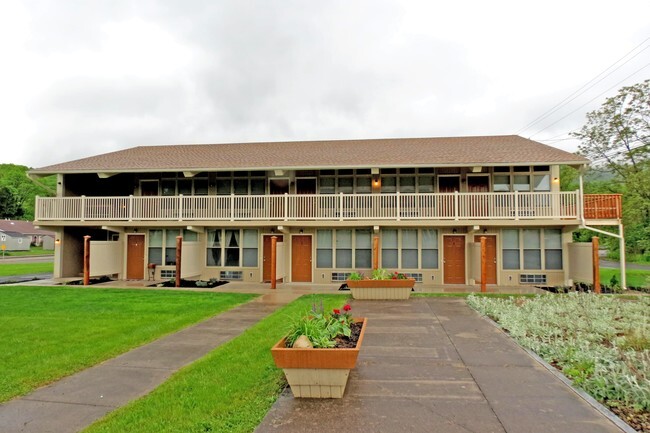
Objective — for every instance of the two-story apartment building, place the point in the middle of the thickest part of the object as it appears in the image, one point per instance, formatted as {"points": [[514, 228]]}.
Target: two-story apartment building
{"points": [[428, 200]]}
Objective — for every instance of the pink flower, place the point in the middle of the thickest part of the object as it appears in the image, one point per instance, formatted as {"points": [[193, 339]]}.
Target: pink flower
{"points": [[347, 307]]}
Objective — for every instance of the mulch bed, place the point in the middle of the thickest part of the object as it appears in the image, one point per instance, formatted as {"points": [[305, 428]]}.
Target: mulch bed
{"points": [[91, 281], [640, 421], [193, 283]]}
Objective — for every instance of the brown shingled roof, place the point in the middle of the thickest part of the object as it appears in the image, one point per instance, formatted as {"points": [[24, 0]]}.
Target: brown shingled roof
{"points": [[441, 151]]}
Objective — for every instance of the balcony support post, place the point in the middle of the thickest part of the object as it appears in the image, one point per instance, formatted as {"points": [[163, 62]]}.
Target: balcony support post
{"points": [[286, 206], [180, 207], [131, 207], [179, 255], [86, 260], [340, 206], [456, 202], [516, 205], [483, 264], [83, 208], [375, 252], [274, 261], [596, 264], [232, 207]]}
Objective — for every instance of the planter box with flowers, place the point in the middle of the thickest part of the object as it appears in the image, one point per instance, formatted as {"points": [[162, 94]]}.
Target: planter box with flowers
{"points": [[381, 285], [320, 351]]}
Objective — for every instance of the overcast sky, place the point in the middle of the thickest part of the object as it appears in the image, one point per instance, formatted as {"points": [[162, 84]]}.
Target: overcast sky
{"points": [[81, 78]]}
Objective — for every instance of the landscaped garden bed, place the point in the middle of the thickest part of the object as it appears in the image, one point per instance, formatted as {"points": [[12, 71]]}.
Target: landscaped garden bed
{"points": [[602, 343], [212, 282]]}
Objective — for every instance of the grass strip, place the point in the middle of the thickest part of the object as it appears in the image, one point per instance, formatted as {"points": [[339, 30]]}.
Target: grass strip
{"points": [[33, 251], [231, 389], [11, 269], [50, 332], [635, 277]]}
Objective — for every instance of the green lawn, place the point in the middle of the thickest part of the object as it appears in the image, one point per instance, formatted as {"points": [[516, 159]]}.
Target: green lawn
{"points": [[11, 269], [50, 332], [635, 277], [231, 389], [33, 251]]}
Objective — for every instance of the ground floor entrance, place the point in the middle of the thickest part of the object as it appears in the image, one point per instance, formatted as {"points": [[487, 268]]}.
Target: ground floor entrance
{"points": [[454, 259]]}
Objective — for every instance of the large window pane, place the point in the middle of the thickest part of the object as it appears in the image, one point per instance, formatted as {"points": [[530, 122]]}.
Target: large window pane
{"points": [[552, 238], [190, 236], [343, 258], [343, 239], [409, 259], [553, 259], [257, 187], [364, 185], [213, 254], [327, 185], [324, 248], [345, 185], [510, 259], [250, 239], [407, 184], [511, 239], [409, 239], [531, 239], [213, 257], [155, 255], [501, 183], [250, 248], [429, 259], [409, 249], [241, 186], [155, 238], [532, 259], [425, 184], [224, 186], [542, 182], [389, 258], [363, 238], [185, 186], [250, 257], [232, 247], [363, 259], [521, 182], [389, 238], [324, 258], [388, 184]]}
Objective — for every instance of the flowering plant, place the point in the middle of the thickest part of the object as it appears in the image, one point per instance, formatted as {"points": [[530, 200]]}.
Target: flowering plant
{"points": [[383, 274], [322, 328]]}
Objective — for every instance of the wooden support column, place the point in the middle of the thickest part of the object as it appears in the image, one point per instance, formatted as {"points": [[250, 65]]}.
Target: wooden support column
{"points": [[483, 264], [375, 252], [86, 260], [179, 253], [274, 261], [596, 263]]}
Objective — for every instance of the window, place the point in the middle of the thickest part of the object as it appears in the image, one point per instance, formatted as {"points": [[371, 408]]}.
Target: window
{"points": [[542, 182], [409, 249], [429, 249], [241, 183], [232, 248], [344, 248], [388, 184], [351, 249], [250, 249], [162, 245], [501, 183], [214, 248], [389, 249], [363, 249], [323, 248], [510, 249], [182, 185], [553, 248], [535, 249], [521, 182]]}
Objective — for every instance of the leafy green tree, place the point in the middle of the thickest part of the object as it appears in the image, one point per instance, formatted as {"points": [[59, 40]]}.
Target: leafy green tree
{"points": [[616, 137], [18, 191]]}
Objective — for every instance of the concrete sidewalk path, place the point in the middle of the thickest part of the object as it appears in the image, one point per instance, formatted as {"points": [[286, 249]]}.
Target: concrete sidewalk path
{"points": [[75, 402], [434, 365]]}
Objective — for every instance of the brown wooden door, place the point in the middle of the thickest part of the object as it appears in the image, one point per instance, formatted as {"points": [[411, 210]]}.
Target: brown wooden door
{"points": [[454, 259], [479, 204], [135, 257], [490, 257], [301, 258], [266, 257], [448, 185]]}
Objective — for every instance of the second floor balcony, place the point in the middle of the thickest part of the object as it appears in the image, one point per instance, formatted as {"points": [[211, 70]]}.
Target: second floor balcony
{"points": [[330, 207]]}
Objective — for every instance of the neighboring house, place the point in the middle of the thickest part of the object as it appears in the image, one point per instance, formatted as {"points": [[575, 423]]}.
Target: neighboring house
{"points": [[38, 237], [428, 200], [14, 241]]}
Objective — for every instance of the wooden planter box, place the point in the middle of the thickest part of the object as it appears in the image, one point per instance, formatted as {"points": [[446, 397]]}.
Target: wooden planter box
{"points": [[317, 373], [381, 289]]}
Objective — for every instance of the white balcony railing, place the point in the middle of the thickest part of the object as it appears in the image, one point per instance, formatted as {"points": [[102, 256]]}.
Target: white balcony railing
{"points": [[290, 207]]}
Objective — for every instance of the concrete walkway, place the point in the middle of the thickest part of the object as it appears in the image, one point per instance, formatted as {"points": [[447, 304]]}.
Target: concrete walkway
{"points": [[434, 365], [73, 403]]}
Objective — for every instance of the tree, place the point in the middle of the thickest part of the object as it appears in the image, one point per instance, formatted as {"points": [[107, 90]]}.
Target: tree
{"points": [[617, 137], [10, 204]]}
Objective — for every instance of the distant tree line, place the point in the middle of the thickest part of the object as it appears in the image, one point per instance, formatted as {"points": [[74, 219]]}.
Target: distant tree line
{"points": [[18, 192]]}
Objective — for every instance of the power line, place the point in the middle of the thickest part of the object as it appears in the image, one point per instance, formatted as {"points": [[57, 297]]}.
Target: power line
{"points": [[586, 86], [591, 100]]}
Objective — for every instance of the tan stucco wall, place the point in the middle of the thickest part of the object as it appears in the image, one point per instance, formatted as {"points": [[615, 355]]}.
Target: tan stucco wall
{"points": [[581, 262], [192, 259], [106, 257]]}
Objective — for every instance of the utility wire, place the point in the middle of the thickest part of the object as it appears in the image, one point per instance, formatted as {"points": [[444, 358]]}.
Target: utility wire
{"points": [[591, 100], [587, 86]]}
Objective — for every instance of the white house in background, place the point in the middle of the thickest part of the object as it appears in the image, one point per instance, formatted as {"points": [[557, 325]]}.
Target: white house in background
{"points": [[429, 200], [14, 241], [37, 236]]}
